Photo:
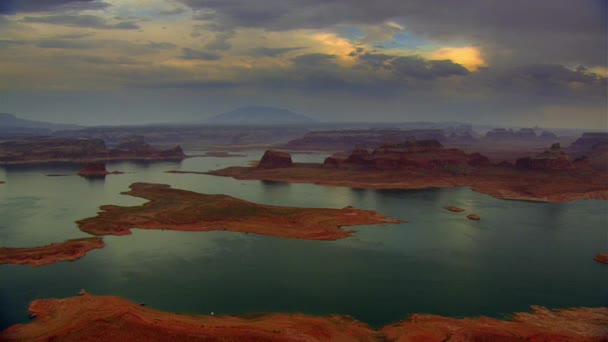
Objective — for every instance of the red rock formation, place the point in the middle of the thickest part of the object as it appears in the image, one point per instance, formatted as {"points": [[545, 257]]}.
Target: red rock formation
{"points": [[454, 209], [275, 159], [551, 159], [601, 257], [109, 318], [93, 170], [182, 210], [340, 140], [80, 150], [409, 154], [38, 256], [577, 324], [473, 217]]}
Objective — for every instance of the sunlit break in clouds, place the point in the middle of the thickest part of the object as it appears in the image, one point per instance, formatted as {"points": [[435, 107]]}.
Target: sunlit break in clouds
{"points": [[132, 61]]}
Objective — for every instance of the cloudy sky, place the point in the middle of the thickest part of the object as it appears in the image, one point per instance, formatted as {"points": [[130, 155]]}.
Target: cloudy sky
{"points": [[515, 62]]}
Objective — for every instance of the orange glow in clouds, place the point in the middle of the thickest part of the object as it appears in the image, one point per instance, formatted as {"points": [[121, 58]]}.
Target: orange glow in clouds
{"points": [[469, 57]]}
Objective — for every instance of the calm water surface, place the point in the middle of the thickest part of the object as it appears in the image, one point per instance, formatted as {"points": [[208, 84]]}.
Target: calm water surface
{"points": [[519, 254]]}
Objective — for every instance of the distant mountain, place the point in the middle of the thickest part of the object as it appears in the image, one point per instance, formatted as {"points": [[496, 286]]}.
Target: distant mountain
{"points": [[10, 122], [258, 116]]}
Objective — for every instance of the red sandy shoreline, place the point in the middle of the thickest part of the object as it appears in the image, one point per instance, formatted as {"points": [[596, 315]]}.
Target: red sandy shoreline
{"points": [[111, 318], [38, 256]]}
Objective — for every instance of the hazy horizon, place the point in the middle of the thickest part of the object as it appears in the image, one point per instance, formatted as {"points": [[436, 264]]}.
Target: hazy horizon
{"points": [[112, 62]]}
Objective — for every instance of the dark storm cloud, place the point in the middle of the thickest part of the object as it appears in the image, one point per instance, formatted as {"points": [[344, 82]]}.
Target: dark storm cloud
{"points": [[314, 60], [66, 44], [220, 41], [16, 6], [548, 81], [412, 66], [86, 21], [7, 43], [200, 55], [520, 31], [190, 84], [121, 46], [272, 52], [105, 60], [173, 11], [416, 67], [161, 45]]}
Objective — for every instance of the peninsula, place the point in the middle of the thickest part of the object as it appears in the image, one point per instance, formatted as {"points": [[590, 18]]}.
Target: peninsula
{"points": [[183, 210], [38, 256], [101, 318], [551, 176]]}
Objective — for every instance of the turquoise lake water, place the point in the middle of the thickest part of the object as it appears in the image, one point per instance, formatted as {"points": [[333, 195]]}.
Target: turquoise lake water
{"points": [[519, 254]]}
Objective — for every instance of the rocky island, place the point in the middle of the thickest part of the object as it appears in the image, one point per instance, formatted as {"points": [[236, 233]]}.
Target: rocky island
{"points": [[550, 176], [96, 170], [45, 255], [183, 210], [102, 318]]}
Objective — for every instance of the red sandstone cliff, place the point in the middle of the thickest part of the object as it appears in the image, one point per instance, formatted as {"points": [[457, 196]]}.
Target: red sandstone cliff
{"points": [[275, 159]]}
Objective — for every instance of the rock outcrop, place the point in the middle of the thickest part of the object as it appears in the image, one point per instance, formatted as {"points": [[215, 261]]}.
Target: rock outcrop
{"points": [[552, 159], [601, 257], [587, 141], [93, 170], [454, 209], [81, 150], [344, 140], [275, 159], [523, 134], [409, 154]]}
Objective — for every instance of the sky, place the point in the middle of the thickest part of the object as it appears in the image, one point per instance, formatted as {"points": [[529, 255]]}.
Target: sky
{"points": [[497, 62]]}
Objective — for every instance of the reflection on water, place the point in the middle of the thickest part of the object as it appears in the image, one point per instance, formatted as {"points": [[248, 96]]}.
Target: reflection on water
{"points": [[519, 254]]}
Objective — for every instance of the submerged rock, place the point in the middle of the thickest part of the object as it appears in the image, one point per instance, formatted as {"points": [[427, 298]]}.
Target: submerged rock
{"points": [[454, 209], [473, 217]]}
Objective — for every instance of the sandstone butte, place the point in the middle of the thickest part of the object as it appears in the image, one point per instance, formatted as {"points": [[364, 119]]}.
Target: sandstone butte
{"points": [[183, 210], [97, 169], [110, 318], [39, 256], [549, 177]]}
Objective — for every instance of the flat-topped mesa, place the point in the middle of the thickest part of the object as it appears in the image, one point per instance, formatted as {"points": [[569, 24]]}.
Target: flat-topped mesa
{"points": [[275, 159], [80, 150], [408, 154], [342, 140]]}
